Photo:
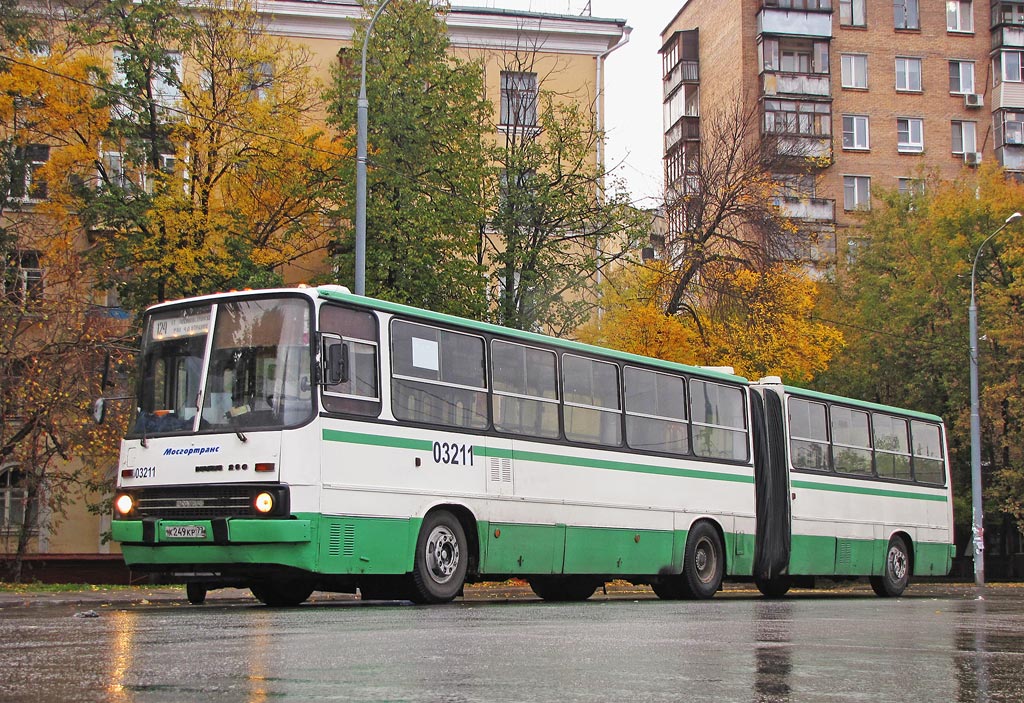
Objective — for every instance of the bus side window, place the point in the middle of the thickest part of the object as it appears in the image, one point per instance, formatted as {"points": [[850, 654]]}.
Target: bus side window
{"points": [[351, 339], [655, 411], [928, 463], [719, 423], [438, 376], [808, 435], [525, 390], [851, 439], [892, 447], [590, 390]]}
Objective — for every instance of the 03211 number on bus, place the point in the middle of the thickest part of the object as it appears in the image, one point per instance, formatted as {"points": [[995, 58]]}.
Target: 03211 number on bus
{"points": [[453, 453]]}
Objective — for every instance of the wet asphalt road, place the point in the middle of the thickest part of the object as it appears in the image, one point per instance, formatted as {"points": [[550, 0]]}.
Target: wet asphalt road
{"points": [[933, 645]]}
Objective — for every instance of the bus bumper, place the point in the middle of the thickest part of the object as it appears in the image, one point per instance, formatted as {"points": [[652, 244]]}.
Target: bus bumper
{"points": [[217, 531]]}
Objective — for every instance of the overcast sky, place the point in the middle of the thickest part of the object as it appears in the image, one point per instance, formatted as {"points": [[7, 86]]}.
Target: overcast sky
{"points": [[632, 85]]}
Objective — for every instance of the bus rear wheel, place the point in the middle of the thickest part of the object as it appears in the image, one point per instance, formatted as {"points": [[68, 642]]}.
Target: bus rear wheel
{"points": [[563, 588], [283, 594], [703, 561], [894, 581], [442, 555]]}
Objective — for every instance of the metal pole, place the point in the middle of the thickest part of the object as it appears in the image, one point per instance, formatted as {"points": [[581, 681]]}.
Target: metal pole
{"points": [[978, 520], [362, 107]]}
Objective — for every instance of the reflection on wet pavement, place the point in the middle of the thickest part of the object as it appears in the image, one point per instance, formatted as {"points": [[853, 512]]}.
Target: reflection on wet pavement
{"points": [[853, 648]]}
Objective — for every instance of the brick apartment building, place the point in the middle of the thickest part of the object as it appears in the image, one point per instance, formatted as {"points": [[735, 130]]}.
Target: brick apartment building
{"points": [[882, 93]]}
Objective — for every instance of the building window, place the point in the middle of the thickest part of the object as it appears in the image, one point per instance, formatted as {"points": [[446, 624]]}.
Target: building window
{"points": [[852, 13], [1007, 13], [261, 79], [910, 134], [964, 140], [1009, 127], [165, 81], [905, 14], [13, 499], [22, 277], [794, 56], [518, 99], [910, 187], [908, 74], [959, 16], [856, 193], [807, 117], [27, 182], [800, 4], [854, 71], [855, 132], [1006, 66], [961, 77]]}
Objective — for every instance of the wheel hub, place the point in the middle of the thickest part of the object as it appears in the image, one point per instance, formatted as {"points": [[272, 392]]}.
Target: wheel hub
{"points": [[442, 554]]}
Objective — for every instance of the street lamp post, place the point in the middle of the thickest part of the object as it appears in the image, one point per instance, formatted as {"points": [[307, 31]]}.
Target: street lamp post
{"points": [[362, 106], [978, 522]]}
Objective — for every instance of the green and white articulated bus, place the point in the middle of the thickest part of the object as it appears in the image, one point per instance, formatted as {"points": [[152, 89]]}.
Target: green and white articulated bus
{"points": [[308, 439]]}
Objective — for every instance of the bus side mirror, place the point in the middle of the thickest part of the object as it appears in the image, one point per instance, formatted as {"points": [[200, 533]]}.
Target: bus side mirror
{"points": [[337, 364], [99, 410]]}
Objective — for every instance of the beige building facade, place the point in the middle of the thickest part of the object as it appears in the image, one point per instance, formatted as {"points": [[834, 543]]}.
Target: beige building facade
{"points": [[879, 94], [567, 56]]}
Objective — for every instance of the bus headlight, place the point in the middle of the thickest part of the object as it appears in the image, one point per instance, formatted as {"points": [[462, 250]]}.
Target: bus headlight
{"points": [[124, 504], [264, 502]]}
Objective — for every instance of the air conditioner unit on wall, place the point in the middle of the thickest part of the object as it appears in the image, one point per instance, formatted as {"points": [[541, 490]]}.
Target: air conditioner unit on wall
{"points": [[974, 100], [972, 158]]}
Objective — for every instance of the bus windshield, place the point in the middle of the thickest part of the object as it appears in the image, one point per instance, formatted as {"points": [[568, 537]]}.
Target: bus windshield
{"points": [[259, 372]]}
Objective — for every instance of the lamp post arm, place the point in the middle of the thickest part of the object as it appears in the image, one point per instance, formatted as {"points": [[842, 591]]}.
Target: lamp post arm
{"points": [[362, 107]]}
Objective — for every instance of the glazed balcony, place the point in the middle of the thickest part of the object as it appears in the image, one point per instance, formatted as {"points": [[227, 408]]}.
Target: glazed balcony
{"points": [[800, 23]]}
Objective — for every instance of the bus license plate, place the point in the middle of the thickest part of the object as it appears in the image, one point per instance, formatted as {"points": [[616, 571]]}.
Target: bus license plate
{"points": [[185, 532]]}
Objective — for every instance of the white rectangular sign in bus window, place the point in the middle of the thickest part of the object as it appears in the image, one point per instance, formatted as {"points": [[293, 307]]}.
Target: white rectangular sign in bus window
{"points": [[424, 354], [181, 326]]}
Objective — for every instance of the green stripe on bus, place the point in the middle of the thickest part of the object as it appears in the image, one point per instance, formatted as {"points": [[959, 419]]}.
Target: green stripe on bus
{"points": [[559, 459], [377, 440], [866, 490], [565, 460]]}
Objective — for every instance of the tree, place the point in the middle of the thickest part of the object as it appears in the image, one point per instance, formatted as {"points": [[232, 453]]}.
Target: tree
{"points": [[762, 323], [721, 211], [426, 161], [904, 304], [764, 326], [633, 317], [53, 336], [552, 226], [213, 175]]}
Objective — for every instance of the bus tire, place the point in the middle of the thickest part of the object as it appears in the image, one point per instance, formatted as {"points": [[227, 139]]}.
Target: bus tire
{"points": [[285, 594], [195, 592], [703, 561], [563, 588], [442, 555], [671, 587], [774, 587], [893, 582]]}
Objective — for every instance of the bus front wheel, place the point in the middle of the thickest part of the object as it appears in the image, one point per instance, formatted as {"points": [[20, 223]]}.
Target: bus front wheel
{"points": [[704, 561], [894, 581], [442, 555]]}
